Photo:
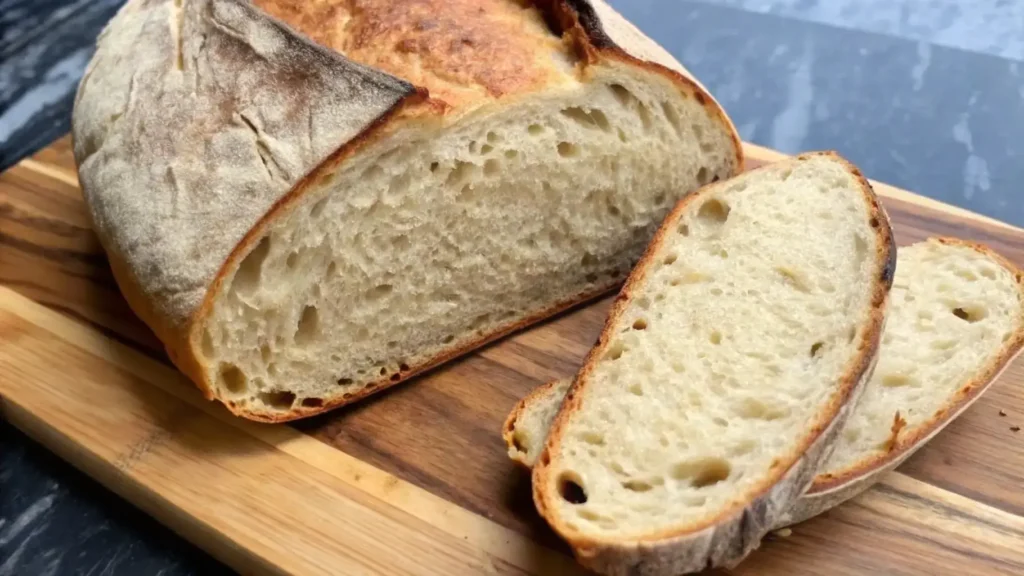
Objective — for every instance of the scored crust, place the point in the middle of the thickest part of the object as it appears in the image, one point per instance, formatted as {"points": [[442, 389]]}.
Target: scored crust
{"points": [[724, 539], [165, 153]]}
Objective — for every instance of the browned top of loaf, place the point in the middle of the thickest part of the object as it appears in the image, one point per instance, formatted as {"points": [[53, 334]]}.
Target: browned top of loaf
{"points": [[461, 51]]}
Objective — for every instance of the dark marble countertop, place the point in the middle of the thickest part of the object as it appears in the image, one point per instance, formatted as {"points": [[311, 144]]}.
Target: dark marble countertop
{"points": [[927, 95]]}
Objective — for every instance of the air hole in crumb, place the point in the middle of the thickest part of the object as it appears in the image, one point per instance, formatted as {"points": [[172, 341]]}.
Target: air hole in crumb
{"points": [[683, 229], [403, 367], [580, 116], [713, 212], [588, 260], [344, 381], [716, 291], [248, 275], [312, 402], [601, 120], [615, 351], [279, 399], [486, 149], [621, 94], [591, 278], [332, 269], [568, 150], [309, 325], [743, 448], [448, 339], [593, 438], [637, 486], [535, 129], [670, 259], [570, 488], [383, 371], [896, 380], [396, 377], [636, 389], [379, 291], [874, 222], [719, 421], [318, 208], [860, 247], [265, 353], [511, 154], [640, 324], [816, 348], [716, 337], [460, 174], [971, 314], [645, 116], [673, 117], [703, 176], [233, 378], [434, 166], [754, 409], [702, 472], [492, 167]]}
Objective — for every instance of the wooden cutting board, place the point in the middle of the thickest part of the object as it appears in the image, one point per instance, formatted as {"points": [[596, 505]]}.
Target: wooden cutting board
{"points": [[415, 480]]}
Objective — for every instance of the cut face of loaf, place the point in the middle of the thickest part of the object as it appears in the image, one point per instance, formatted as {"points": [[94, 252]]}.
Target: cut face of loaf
{"points": [[936, 358], [728, 362], [436, 242], [380, 186]]}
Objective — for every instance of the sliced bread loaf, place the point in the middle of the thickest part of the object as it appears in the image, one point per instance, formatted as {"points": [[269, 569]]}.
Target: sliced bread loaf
{"points": [[726, 367], [310, 201], [955, 321]]}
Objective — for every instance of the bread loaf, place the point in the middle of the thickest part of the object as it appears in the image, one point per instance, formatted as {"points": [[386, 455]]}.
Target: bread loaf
{"points": [[311, 201], [955, 321], [726, 368]]}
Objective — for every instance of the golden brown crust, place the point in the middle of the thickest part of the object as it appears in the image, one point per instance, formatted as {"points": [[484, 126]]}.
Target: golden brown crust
{"points": [[911, 440], [610, 552], [460, 51]]}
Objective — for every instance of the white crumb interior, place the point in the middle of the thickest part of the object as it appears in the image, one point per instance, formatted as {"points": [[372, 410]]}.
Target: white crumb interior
{"points": [[735, 342], [440, 240], [952, 311], [530, 429]]}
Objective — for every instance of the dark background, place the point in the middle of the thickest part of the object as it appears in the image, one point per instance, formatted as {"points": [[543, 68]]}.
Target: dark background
{"points": [[923, 94]]}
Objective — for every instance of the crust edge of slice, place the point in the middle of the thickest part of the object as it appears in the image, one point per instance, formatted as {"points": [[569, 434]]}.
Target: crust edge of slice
{"points": [[727, 537]]}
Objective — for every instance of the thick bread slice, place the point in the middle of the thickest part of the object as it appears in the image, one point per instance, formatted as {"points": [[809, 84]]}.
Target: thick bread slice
{"points": [[955, 321], [727, 366], [930, 368], [312, 201]]}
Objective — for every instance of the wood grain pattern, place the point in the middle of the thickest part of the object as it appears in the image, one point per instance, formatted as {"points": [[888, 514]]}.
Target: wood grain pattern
{"points": [[424, 462]]}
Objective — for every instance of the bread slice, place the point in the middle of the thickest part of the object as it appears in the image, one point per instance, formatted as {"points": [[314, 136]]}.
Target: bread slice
{"points": [[312, 201], [955, 321], [725, 370]]}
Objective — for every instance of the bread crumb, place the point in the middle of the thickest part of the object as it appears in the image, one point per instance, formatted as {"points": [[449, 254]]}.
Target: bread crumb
{"points": [[1014, 428], [1002, 412], [784, 532]]}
